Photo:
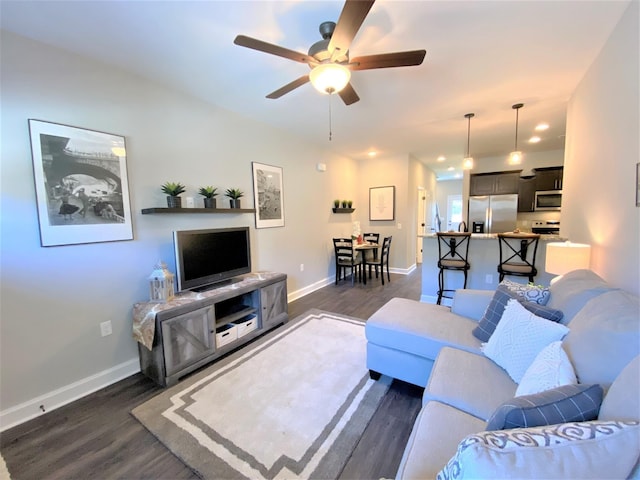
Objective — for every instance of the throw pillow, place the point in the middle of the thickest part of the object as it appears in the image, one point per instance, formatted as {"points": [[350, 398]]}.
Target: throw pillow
{"points": [[569, 403], [532, 293], [595, 449], [550, 369], [519, 337], [487, 324]]}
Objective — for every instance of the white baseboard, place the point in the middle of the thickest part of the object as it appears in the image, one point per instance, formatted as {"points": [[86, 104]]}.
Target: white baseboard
{"points": [[62, 396], [309, 289]]}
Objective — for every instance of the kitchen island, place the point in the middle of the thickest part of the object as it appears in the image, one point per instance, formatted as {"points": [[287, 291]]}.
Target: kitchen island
{"points": [[484, 256]]}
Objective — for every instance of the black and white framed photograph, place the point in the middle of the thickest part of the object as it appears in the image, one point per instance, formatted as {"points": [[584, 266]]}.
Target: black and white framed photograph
{"points": [[382, 203], [82, 190], [268, 195]]}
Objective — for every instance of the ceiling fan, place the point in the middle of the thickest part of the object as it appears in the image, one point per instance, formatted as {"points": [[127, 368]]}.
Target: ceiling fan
{"points": [[329, 58]]}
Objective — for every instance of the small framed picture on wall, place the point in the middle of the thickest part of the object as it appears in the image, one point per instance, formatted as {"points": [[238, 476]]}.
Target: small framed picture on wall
{"points": [[382, 203]]}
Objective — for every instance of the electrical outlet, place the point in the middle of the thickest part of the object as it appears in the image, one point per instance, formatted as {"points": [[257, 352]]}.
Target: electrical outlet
{"points": [[488, 278], [302, 267], [105, 328]]}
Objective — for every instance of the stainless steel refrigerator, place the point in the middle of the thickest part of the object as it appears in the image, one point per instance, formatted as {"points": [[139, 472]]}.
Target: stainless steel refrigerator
{"points": [[493, 213]]}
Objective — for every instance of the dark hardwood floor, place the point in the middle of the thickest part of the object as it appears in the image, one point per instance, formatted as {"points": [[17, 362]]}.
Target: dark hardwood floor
{"points": [[97, 438]]}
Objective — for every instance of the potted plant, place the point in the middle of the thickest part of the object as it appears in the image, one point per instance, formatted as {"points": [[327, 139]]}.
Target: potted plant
{"points": [[173, 190], [209, 193], [349, 203], [234, 194], [336, 203], [344, 204]]}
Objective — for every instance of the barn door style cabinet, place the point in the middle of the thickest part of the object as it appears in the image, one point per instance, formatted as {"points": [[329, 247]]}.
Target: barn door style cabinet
{"points": [[195, 329]]}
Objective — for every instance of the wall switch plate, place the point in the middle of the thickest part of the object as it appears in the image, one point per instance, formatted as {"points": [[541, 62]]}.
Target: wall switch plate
{"points": [[488, 278], [302, 267], [105, 328], [190, 202], [399, 226]]}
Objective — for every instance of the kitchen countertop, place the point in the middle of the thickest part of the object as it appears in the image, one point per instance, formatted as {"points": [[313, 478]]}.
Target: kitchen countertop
{"points": [[492, 236]]}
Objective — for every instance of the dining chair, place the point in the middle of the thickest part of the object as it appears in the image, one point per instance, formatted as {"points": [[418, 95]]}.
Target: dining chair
{"points": [[371, 254], [382, 262], [346, 258], [453, 254], [518, 254]]}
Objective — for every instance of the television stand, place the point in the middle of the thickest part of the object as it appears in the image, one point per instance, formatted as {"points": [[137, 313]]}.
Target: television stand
{"points": [[195, 329], [213, 286]]}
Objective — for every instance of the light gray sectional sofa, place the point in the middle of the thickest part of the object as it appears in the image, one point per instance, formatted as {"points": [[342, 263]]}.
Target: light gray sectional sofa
{"points": [[465, 428]]}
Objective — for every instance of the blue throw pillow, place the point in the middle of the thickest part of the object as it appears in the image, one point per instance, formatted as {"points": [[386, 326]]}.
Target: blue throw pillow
{"points": [[493, 313], [568, 403]]}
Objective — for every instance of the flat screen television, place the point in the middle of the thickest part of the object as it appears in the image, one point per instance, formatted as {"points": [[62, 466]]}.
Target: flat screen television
{"points": [[207, 257]]}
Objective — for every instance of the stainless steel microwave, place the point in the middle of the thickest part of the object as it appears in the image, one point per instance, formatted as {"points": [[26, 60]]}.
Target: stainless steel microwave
{"points": [[548, 200]]}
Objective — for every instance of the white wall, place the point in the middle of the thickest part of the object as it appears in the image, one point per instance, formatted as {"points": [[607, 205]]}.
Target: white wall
{"points": [[530, 160], [54, 298], [445, 188], [601, 155]]}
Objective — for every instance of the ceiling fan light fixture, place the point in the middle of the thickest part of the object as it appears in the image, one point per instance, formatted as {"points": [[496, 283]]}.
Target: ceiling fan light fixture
{"points": [[467, 163], [330, 77]]}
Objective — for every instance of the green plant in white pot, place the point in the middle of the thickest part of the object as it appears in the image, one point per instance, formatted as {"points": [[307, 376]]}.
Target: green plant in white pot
{"points": [[209, 193], [173, 191], [234, 194]]}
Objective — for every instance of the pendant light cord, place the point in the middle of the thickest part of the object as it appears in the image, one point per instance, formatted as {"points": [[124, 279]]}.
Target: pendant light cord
{"points": [[330, 133], [468, 134], [516, 144]]}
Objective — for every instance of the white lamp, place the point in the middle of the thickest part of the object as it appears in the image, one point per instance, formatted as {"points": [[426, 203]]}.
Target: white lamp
{"points": [[563, 257], [330, 77]]}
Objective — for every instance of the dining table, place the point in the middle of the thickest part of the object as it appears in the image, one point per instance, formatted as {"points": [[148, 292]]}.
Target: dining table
{"points": [[363, 247]]}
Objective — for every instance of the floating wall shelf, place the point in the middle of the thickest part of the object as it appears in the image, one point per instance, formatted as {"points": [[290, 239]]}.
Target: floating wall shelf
{"points": [[147, 211], [343, 210]]}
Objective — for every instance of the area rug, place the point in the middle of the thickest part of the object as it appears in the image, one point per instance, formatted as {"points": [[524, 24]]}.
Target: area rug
{"points": [[293, 404]]}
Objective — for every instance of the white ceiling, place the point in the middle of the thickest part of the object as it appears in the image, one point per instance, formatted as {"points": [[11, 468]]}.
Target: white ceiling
{"points": [[482, 57]]}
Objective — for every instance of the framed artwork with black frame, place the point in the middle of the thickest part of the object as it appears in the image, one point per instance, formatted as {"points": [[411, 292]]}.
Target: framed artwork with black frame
{"points": [[81, 184], [382, 203], [268, 195]]}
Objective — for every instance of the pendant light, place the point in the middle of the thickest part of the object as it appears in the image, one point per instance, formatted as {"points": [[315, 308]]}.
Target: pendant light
{"points": [[515, 157], [467, 163]]}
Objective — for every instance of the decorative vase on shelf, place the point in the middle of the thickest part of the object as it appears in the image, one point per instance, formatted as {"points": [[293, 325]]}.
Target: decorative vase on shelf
{"points": [[209, 202], [174, 202], [235, 203]]}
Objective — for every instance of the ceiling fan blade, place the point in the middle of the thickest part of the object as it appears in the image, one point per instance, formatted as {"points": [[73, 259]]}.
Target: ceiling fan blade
{"points": [[265, 47], [353, 14], [348, 95], [288, 87], [388, 60]]}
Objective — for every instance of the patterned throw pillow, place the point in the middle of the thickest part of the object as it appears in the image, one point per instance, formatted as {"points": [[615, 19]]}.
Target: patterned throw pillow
{"points": [[519, 338], [598, 449], [550, 369], [487, 324], [569, 403], [532, 293]]}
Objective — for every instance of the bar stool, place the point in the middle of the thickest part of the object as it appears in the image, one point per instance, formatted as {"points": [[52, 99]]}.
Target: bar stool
{"points": [[453, 250], [518, 254]]}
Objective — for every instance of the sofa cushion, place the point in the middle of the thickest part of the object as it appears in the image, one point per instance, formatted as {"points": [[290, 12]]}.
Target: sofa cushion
{"points": [[550, 369], [622, 401], [519, 337], [469, 382], [420, 328], [493, 313], [604, 337], [570, 450], [427, 450], [569, 403], [531, 293], [570, 292]]}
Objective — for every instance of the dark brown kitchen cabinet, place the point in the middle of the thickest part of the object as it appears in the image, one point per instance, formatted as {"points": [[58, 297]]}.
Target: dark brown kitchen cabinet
{"points": [[526, 194], [549, 178], [494, 183]]}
